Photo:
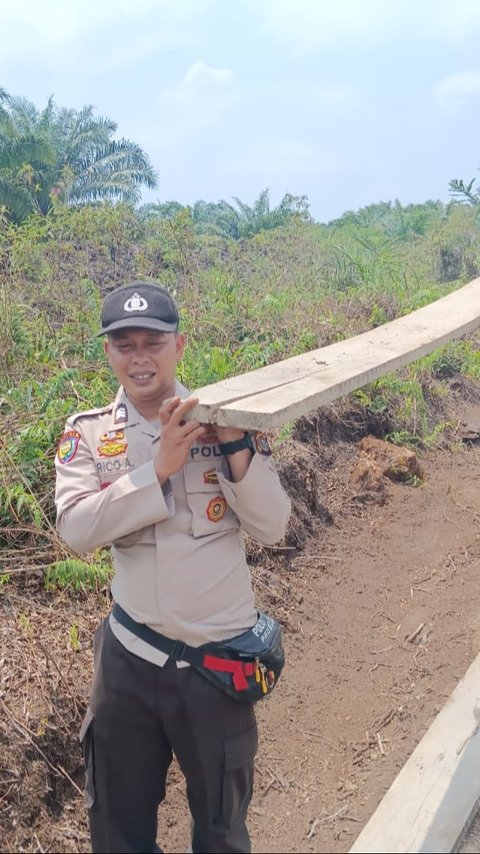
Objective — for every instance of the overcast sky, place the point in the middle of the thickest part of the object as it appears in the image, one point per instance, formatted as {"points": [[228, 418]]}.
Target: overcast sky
{"points": [[349, 102]]}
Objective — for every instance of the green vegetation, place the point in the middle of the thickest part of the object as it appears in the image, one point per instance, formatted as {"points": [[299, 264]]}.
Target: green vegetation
{"points": [[78, 575], [237, 221], [59, 153], [255, 285]]}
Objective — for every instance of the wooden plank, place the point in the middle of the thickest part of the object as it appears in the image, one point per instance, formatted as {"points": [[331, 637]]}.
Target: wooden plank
{"points": [[432, 801], [284, 391]]}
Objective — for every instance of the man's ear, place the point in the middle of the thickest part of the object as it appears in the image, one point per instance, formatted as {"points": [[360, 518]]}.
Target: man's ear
{"points": [[179, 345], [105, 346]]}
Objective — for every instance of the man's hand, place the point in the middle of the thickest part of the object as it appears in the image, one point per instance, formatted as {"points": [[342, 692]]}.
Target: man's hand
{"points": [[177, 436]]}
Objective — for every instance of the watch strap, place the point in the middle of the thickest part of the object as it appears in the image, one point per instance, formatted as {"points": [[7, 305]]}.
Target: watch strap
{"points": [[227, 448]]}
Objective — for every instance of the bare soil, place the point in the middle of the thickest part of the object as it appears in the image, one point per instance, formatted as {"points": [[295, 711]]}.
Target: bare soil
{"points": [[377, 591]]}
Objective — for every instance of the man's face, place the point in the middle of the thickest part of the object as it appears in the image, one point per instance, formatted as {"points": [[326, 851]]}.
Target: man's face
{"points": [[144, 362]]}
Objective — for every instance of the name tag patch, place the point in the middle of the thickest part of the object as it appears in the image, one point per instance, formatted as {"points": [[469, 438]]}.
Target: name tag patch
{"points": [[109, 466], [205, 451]]}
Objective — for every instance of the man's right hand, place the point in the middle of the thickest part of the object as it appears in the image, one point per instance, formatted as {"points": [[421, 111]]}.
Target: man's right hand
{"points": [[177, 436]]}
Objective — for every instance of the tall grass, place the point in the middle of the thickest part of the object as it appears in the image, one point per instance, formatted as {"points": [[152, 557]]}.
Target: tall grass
{"points": [[244, 304]]}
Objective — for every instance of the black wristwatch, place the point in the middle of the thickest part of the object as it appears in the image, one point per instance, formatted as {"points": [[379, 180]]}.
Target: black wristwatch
{"points": [[227, 448]]}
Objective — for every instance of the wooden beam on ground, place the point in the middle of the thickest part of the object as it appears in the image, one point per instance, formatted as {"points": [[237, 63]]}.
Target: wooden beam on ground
{"points": [[282, 392]]}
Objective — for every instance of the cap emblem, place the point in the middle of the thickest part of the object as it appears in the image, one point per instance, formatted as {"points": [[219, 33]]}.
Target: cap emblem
{"points": [[136, 303]]}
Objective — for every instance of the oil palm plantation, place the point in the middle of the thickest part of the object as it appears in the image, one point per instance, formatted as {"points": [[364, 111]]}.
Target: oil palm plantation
{"points": [[235, 221], [59, 152]]}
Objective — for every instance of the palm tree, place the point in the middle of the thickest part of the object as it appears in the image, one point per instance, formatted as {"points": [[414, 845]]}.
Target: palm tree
{"points": [[261, 217], [238, 222], [65, 153]]}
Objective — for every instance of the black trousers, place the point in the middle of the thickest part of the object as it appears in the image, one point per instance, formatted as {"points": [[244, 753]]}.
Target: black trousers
{"points": [[139, 716]]}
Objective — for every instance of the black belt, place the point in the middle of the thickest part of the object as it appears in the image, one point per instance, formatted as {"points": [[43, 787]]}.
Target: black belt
{"points": [[245, 667], [177, 650]]}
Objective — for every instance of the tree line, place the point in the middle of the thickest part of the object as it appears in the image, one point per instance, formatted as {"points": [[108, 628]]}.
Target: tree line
{"points": [[62, 155]]}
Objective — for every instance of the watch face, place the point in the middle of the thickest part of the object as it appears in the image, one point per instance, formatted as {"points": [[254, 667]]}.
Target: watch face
{"points": [[262, 444]]}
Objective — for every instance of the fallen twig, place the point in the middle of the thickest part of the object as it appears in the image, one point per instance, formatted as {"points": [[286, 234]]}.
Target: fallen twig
{"points": [[380, 744], [319, 821], [414, 634]]}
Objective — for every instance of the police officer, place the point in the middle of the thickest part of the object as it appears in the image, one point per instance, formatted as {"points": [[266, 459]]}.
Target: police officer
{"points": [[171, 497]]}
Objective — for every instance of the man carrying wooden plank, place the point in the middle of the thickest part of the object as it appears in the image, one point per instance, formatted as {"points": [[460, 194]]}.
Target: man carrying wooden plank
{"points": [[171, 497]]}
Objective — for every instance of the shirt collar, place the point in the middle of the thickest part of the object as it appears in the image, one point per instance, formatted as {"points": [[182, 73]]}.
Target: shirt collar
{"points": [[124, 414]]}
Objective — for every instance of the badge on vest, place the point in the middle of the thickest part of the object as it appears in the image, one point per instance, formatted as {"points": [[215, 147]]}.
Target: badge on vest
{"points": [[113, 444], [217, 508], [121, 414], [112, 434]]}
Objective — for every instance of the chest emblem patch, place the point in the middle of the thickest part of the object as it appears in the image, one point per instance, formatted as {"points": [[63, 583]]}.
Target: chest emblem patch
{"points": [[210, 476], [112, 434], [68, 446], [217, 508], [112, 447]]}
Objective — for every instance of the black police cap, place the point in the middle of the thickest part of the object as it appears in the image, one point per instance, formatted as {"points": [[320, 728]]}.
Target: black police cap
{"points": [[140, 305]]}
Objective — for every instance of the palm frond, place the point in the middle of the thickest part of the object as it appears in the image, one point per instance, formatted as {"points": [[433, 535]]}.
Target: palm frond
{"points": [[24, 114], [464, 192], [14, 197], [18, 151]]}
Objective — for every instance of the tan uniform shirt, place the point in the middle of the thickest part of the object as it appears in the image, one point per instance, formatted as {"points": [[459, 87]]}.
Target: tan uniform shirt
{"points": [[177, 550]]}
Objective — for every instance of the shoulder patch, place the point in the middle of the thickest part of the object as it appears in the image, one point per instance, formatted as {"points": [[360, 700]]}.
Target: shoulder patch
{"points": [[68, 446], [91, 413], [262, 444]]}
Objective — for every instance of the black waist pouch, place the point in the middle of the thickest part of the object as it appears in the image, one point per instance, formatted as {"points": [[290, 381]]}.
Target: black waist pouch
{"points": [[246, 667]]}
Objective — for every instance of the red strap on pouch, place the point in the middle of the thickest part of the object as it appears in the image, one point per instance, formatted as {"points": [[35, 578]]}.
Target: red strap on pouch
{"points": [[238, 669]]}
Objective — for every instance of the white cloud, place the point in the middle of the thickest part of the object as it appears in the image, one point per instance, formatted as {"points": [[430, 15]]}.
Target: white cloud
{"points": [[456, 90], [199, 101], [201, 77]]}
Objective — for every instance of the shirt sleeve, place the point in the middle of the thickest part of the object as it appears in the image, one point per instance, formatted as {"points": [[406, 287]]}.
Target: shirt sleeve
{"points": [[89, 517], [259, 501]]}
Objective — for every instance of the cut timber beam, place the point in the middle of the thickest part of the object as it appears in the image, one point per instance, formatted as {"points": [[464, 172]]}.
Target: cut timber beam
{"points": [[284, 391]]}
